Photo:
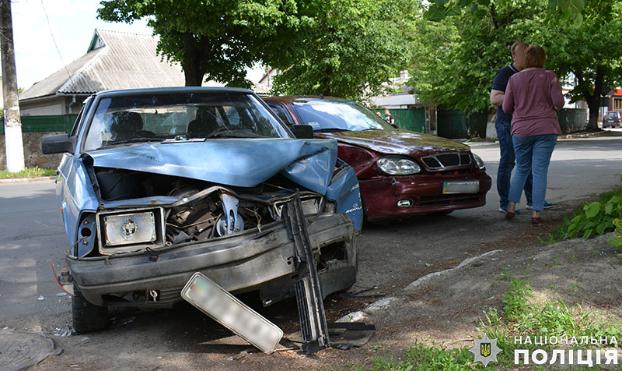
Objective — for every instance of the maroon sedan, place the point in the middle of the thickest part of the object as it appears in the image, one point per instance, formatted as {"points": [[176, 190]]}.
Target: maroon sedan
{"points": [[400, 172]]}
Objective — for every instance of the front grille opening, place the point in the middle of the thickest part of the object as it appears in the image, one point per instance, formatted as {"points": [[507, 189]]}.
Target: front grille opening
{"points": [[449, 159], [331, 253], [444, 161]]}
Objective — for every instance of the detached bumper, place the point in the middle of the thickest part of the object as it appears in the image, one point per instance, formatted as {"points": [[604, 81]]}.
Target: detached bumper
{"points": [[238, 263], [381, 195]]}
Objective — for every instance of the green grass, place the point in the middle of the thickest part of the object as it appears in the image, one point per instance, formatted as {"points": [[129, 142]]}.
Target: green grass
{"points": [[425, 357], [28, 172], [520, 317]]}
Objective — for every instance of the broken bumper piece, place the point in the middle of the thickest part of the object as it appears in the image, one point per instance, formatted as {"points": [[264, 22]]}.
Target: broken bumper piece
{"points": [[238, 263]]}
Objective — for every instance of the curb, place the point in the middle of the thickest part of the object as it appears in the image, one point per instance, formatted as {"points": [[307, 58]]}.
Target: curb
{"points": [[386, 302], [27, 180]]}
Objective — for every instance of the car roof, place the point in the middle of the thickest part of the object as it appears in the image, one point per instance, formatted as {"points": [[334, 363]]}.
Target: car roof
{"points": [[176, 89]]}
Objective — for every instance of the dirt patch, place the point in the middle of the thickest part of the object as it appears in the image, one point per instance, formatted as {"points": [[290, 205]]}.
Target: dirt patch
{"points": [[447, 310]]}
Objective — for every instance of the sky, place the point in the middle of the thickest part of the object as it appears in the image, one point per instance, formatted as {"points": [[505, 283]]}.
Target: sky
{"points": [[71, 25]]}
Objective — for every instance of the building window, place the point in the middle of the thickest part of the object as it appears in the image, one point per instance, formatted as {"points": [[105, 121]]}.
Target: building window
{"points": [[617, 104]]}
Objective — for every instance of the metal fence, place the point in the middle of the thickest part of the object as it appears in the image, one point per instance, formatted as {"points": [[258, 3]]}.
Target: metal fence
{"points": [[44, 124], [412, 118]]}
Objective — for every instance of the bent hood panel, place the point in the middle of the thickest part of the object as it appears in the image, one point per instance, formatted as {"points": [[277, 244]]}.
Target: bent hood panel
{"points": [[233, 162], [396, 142]]}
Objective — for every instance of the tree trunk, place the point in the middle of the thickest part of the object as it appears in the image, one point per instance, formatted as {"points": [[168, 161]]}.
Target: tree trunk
{"points": [[593, 101], [12, 122], [594, 106], [191, 62]]}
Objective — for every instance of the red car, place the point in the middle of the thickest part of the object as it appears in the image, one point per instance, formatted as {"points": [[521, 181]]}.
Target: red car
{"points": [[400, 172]]}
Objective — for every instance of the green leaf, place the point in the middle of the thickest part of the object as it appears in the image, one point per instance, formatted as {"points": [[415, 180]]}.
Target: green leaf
{"points": [[592, 209]]}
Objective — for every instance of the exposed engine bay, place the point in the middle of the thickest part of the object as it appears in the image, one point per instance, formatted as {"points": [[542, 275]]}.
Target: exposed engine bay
{"points": [[155, 211]]}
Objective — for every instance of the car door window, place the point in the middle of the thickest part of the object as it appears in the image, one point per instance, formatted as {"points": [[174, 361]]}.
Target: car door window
{"points": [[282, 113]]}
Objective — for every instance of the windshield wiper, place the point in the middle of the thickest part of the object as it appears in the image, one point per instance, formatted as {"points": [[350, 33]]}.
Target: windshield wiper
{"points": [[329, 130], [233, 134], [135, 140]]}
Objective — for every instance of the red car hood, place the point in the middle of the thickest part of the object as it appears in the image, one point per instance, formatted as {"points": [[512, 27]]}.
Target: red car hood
{"points": [[396, 142]]}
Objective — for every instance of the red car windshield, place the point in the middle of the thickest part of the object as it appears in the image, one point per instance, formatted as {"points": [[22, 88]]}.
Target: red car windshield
{"points": [[325, 115]]}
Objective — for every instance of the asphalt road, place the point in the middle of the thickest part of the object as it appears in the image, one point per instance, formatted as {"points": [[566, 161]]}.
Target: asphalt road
{"points": [[392, 254]]}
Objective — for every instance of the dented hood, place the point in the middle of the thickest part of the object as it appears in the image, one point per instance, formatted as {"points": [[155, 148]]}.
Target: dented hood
{"points": [[233, 162], [396, 141]]}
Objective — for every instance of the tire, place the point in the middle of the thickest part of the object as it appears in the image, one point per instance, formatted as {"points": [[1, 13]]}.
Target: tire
{"points": [[86, 316]]}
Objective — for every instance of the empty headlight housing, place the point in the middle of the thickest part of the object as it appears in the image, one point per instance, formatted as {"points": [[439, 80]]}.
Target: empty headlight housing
{"points": [[398, 166], [479, 161], [131, 230]]}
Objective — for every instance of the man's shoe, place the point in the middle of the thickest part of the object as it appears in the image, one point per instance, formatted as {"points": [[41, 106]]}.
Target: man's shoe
{"points": [[547, 205]]}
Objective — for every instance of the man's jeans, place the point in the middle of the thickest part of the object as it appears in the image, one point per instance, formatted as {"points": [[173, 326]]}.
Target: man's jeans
{"points": [[506, 164], [533, 155]]}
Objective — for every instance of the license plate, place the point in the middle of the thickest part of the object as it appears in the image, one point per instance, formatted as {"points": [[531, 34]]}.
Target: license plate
{"points": [[211, 299], [455, 187]]}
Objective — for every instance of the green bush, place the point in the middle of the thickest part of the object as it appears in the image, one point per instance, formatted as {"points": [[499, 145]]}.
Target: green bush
{"points": [[592, 219]]}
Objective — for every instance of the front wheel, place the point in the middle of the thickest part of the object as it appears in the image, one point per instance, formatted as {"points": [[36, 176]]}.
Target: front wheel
{"points": [[87, 317]]}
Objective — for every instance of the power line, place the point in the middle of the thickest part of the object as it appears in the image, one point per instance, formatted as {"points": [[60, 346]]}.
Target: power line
{"points": [[60, 56]]}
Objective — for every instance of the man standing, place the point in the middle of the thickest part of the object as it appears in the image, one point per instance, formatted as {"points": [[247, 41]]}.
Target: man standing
{"points": [[503, 124]]}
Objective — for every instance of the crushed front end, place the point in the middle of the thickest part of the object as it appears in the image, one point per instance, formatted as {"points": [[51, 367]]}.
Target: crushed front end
{"points": [[142, 250]]}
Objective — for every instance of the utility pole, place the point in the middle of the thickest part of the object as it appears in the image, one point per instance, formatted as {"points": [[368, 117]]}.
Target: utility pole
{"points": [[12, 122]]}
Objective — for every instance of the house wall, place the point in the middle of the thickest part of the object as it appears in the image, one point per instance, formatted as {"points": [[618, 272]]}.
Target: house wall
{"points": [[52, 106], [32, 152]]}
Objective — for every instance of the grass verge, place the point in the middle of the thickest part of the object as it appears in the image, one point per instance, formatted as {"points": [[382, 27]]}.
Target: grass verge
{"points": [[591, 219], [520, 316], [29, 172]]}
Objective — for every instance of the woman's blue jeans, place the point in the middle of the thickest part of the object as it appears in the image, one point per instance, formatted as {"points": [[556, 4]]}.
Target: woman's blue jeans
{"points": [[533, 155]]}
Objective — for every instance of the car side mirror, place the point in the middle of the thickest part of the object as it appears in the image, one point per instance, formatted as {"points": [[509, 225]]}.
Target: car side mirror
{"points": [[59, 143], [302, 131]]}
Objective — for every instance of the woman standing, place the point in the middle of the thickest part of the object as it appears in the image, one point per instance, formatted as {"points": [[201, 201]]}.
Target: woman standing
{"points": [[533, 97]]}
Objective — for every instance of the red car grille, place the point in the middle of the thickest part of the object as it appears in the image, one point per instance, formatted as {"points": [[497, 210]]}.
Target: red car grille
{"points": [[444, 161]]}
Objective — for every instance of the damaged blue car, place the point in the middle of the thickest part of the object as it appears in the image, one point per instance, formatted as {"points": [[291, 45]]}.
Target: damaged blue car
{"points": [[157, 184]]}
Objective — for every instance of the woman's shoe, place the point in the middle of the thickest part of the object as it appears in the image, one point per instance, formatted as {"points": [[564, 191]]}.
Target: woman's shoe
{"points": [[536, 220], [509, 215]]}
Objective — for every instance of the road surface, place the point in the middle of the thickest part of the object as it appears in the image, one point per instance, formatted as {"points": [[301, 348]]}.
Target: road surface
{"points": [[392, 254]]}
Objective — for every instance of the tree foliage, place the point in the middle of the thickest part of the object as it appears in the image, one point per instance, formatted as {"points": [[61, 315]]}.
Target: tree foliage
{"points": [[349, 48], [334, 47], [580, 38], [212, 40]]}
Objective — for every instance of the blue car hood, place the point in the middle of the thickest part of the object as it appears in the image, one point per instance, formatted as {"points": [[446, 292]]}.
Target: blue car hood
{"points": [[233, 162]]}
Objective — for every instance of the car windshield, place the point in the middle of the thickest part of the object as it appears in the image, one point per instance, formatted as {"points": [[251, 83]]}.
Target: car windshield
{"points": [[325, 115], [179, 117]]}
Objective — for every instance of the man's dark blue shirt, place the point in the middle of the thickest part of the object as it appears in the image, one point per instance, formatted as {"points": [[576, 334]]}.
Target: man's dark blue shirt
{"points": [[500, 83]]}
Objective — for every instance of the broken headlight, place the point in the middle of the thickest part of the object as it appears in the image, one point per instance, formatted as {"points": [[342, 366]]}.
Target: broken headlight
{"points": [[130, 230], [311, 205]]}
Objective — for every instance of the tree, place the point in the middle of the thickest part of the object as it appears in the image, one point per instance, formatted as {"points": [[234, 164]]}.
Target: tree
{"points": [[215, 40], [348, 49], [456, 57], [581, 41], [588, 52]]}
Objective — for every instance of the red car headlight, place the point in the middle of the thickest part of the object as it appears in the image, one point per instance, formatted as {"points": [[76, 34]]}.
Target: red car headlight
{"points": [[398, 166]]}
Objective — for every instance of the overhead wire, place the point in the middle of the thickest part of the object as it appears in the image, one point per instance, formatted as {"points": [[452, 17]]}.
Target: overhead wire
{"points": [[60, 56]]}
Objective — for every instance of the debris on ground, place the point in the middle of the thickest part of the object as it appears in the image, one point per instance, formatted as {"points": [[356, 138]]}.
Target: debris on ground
{"points": [[19, 350]]}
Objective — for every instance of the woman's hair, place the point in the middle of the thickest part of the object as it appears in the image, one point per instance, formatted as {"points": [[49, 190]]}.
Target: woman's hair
{"points": [[535, 56]]}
